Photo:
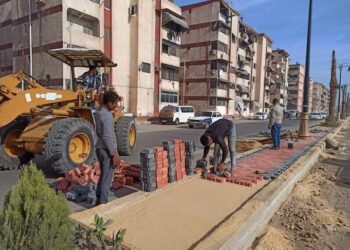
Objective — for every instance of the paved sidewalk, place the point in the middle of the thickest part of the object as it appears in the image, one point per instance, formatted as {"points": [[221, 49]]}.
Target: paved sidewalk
{"points": [[184, 215], [268, 164]]}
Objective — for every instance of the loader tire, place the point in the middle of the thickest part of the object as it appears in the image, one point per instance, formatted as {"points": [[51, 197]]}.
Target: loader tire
{"points": [[125, 131], [11, 157], [69, 143]]}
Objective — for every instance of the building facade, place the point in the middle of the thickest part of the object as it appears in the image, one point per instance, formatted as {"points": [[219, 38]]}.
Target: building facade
{"points": [[209, 56], [279, 88], [54, 24], [146, 46], [262, 79], [143, 37], [295, 92], [320, 98], [246, 69]]}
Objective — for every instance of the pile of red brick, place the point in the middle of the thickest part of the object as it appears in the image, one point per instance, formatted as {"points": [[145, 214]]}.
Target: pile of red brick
{"points": [[124, 175], [180, 155], [161, 167]]}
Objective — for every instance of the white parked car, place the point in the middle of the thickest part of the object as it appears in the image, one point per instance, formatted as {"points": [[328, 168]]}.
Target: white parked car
{"points": [[204, 119], [324, 115], [315, 116], [261, 116], [176, 114]]}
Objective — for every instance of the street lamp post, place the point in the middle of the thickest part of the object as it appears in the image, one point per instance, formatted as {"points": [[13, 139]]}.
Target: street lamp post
{"points": [[304, 119], [341, 67], [30, 39]]}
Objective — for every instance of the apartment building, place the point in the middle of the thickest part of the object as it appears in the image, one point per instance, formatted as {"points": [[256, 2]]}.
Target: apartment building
{"points": [[247, 82], [261, 80], [296, 75], [325, 99], [280, 65], [143, 37], [320, 98], [209, 56], [54, 24], [311, 87], [146, 45]]}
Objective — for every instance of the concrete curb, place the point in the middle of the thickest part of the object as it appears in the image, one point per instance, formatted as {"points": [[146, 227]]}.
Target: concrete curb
{"points": [[244, 237]]}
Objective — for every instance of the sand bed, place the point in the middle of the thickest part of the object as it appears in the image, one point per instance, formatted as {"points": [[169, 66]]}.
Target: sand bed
{"points": [[175, 218]]}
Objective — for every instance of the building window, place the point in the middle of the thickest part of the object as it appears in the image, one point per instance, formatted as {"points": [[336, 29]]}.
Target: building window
{"points": [[220, 85], [95, 1], [170, 73], [220, 26], [108, 4], [146, 67], [170, 48], [253, 78], [132, 10], [217, 45], [254, 65], [218, 101], [169, 96], [214, 65], [84, 23]]}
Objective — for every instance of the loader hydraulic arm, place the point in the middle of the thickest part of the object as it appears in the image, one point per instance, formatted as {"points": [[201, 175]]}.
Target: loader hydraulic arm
{"points": [[20, 94]]}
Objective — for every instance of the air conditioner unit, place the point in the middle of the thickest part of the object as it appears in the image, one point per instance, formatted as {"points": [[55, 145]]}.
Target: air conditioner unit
{"points": [[157, 69], [40, 2], [213, 72]]}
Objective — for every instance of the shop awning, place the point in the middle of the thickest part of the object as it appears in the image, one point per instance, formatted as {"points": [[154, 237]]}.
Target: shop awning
{"points": [[170, 20]]}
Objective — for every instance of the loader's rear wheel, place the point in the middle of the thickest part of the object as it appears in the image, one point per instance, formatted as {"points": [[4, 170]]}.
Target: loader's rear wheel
{"points": [[12, 157], [69, 143], [125, 131]]}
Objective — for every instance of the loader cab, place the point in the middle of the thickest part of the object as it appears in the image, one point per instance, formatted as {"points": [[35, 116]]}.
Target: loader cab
{"points": [[83, 58]]}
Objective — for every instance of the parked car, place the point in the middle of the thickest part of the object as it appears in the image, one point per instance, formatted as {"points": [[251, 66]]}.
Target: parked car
{"points": [[261, 116], [204, 119], [176, 114], [292, 114], [324, 115], [315, 116]]}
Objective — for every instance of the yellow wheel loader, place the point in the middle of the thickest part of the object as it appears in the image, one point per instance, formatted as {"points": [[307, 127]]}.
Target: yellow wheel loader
{"points": [[58, 124]]}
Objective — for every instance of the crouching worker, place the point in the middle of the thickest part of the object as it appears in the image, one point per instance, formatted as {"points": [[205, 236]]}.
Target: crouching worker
{"points": [[216, 133], [106, 147]]}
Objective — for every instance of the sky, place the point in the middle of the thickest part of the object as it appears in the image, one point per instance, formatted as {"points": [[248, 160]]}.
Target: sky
{"points": [[286, 22]]}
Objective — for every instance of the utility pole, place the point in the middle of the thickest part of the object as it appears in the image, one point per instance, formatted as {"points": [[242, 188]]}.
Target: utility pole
{"points": [[341, 67], [304, 119], [333, 90], [30, 39], [343, 109]]}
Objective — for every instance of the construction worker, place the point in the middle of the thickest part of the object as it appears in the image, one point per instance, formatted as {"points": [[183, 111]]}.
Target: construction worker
{"points": [[91, 79], [106, 147], [275, 123], [216, 133]]}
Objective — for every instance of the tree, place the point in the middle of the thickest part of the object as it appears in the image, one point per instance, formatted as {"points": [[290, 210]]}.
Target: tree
{"points": [[332, 116], [34, 216]]}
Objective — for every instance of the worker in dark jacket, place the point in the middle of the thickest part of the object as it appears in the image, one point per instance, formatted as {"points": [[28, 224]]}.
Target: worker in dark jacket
{"points": [[216, 133], [106, 147]]}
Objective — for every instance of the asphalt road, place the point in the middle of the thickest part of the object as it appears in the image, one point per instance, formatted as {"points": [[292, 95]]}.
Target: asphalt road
{"points": [[153, 135]]}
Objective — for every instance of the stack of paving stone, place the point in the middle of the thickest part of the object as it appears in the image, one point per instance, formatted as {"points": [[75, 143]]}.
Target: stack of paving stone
{"points": [[180, 155], [148, 170], [189, 161], [169, 147], [161, 167]]}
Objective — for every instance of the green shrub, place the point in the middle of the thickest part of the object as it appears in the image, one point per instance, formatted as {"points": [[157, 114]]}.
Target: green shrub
{"points": [[34, 216]]}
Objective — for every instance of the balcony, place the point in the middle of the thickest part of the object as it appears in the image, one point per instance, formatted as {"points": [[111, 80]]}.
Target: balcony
{"points": [[217, 54], [213, 73], [218, 92]]}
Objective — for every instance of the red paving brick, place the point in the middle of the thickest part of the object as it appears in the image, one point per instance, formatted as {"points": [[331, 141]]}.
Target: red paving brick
{"points": [[249, 170]]}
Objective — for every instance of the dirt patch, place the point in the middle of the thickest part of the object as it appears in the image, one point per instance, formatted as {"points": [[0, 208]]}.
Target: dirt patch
{"points": [[247, 145], [316, 216]]}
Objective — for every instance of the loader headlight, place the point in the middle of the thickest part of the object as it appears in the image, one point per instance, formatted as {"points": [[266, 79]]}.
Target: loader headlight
{"points": [[89, 95]]}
